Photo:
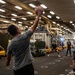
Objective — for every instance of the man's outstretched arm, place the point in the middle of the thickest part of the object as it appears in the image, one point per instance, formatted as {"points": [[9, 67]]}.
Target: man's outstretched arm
{"points": [[39, 13]]}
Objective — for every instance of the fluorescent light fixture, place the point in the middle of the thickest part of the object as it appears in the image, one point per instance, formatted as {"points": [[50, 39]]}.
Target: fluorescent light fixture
{"points": [[18, 7], [31, 22], [61, 26], [54, 22], [14, 15], [49, 16], [40, 18], [29, 13], [2, 16], [58, 24], [71, 22], [52, 12], [64, 28], [57, 17], [74, 1], [24, 18], [32, 5], [43, 6], [2, 10], [26, 26], [3, 2], [20, 22], [43, 12], [6, 21], [13, 19]]}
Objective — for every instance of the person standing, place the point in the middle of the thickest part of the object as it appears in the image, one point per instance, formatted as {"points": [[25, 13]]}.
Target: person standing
{"points": [[68, 48], [19, 48], [54, 46]]}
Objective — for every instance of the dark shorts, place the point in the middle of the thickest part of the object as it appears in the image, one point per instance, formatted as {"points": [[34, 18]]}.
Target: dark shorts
{"points": [[73, 55], [26, 70], [73, 51]]}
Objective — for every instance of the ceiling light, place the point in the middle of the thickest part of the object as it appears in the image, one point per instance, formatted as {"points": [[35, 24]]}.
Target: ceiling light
{"points": [[58, 24], [20, 22], [14, 15], [57, 17], [29, 13], [26, 26], [52, 12], [43, 12], [71, 22], [18, 7], [54, 22], [13, 19], [2, 10], [6, 21], [1, 1], [24, 18], [61, 26], [74, 1], [31, 22], [32, 5], [40, 18], [49, 16], [2, 16], [43, 6], [64, 28]]}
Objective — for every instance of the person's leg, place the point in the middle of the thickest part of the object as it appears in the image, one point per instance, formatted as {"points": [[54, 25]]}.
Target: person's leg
{"points": [[67, 52], [70, 52], [52, 50], [58, 53], [55, 49]]}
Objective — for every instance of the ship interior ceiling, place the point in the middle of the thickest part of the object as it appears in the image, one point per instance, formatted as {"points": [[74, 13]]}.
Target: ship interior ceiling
{"points": [[58, 13]]}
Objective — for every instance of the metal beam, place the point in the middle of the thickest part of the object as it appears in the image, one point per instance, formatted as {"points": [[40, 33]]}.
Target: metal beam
{"points": [[16, 2], [25, 7], [11, 22]]}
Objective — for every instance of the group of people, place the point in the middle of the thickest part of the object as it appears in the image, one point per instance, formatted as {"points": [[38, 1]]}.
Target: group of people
{"points": [[54, 47], [69, 46]]}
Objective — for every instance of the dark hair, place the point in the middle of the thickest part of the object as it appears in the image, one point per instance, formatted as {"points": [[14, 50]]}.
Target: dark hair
{"points": [[12, 29]]}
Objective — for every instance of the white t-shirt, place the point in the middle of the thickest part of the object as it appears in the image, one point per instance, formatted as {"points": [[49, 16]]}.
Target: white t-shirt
{"points": [[19, 48]]}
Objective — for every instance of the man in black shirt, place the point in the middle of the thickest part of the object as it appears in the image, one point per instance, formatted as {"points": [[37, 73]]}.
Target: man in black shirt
{"points": [[54, 46], [68, 48]]}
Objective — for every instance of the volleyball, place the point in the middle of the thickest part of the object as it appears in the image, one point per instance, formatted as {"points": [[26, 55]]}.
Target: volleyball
{"points": [[38, 9]]}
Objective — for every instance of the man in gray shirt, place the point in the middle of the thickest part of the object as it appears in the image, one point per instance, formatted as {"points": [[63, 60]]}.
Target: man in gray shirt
{"points": [[19, 48]]}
